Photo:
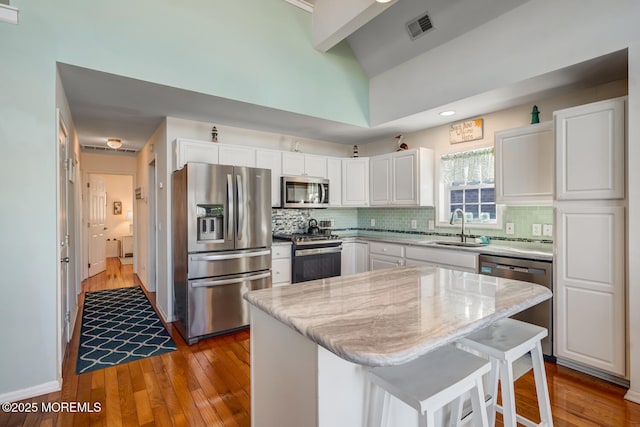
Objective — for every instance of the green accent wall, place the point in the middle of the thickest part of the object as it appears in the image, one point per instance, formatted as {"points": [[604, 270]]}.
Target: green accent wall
{"points": [[255, 51]]}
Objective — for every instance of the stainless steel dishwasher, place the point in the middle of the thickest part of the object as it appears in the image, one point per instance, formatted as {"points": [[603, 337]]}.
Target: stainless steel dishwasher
{"points": [[527, 270]]}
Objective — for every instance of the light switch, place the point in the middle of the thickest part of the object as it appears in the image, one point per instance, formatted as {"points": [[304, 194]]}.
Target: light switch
{"points": [[547, 230], [414, 223], [373, 222], [432, 225]]}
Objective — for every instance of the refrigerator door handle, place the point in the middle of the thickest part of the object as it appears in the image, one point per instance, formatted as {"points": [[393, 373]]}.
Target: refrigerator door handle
{"points": [[241, 207], [210, 283], [230, 204], [229, 256]]}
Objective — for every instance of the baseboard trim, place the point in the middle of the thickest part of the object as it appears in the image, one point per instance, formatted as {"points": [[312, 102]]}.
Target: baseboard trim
{"points": [[167, 319], [632, 396], [593, 372], [29, 392]]}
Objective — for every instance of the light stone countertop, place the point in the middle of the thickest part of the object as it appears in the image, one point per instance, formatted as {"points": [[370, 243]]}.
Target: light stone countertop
{"points": [[390, 317], [530, 250]]}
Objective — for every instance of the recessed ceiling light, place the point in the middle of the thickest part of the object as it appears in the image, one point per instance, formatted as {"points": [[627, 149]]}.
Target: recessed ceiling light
{"points": [[114, 143], [383, 1], [447, 113]]}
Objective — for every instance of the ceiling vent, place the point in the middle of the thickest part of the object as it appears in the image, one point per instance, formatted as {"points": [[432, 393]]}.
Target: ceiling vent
{"points": [[108, 150], [418, 26]]}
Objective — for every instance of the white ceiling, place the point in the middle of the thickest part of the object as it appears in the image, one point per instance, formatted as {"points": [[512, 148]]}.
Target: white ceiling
{"points": [[106, 105]]}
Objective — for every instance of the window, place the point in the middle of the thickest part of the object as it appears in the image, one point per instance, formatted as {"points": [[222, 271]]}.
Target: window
{"points": [[467, 182]]}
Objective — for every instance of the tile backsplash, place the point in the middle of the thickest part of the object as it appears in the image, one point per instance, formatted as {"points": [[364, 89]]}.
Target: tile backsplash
{"points": [[400, 219]]}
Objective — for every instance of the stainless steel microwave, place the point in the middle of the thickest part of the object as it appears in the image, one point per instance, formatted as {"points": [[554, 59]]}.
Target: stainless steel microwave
{"points": [[304, 192]]}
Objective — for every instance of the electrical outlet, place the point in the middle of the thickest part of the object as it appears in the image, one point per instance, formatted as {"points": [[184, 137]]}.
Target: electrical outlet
{"points": [[432, 225], [414, 223], [373, 222], [510, 228], [536, 229], [547, 230]]}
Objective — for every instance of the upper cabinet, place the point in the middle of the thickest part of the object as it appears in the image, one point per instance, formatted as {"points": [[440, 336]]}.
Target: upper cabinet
{"points": [[189, 150], [403, 178], [271, 159], [355, 182], [590, 151], [524, 165], [235, 155], [299, 164]]}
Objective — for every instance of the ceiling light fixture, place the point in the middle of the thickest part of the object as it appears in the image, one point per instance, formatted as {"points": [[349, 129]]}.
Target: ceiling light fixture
{"points": [[447, 113], [383, 1], [114, 143]]}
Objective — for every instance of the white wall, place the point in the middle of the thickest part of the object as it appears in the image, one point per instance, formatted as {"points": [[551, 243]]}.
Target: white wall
{"points": [[536, 38], [633, 237]]}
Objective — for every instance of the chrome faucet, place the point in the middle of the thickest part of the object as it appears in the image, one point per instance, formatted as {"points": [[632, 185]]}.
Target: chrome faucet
{"points": [[463, 237]]}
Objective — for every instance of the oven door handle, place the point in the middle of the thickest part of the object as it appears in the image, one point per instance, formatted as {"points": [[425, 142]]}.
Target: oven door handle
{"points": [[317, 251], [210, 283], [229, 256]]}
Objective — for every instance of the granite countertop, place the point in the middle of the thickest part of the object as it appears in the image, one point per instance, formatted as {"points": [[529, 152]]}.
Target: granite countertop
{"points": [[390, 317], [531, 250]]}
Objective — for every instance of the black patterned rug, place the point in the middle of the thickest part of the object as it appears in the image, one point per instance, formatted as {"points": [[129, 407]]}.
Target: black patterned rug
{"points": [[118, 326]]}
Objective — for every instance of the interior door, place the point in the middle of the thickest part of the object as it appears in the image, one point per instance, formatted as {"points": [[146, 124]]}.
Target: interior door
{"points": [[97, 220], [63, 233]]}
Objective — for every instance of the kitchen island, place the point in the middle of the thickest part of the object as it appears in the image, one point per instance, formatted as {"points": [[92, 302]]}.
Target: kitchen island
{"points": [[311, 342]]}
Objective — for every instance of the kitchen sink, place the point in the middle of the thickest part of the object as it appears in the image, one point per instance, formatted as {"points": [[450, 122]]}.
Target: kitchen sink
{"points": [[461, 244]]}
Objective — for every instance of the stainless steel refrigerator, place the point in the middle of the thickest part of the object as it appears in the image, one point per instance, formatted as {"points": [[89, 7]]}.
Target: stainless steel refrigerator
{"points": [[221, 245]]}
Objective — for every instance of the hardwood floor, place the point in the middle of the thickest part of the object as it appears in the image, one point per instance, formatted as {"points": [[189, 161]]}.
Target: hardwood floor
{"points": [[208, 384]]}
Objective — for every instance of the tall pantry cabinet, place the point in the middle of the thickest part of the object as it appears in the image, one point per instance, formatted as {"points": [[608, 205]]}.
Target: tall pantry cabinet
{"points": [[590, 242]]}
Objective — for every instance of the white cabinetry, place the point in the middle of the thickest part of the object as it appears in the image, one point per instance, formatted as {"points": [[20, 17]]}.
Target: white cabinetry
{"points": [[354, 258], [590, 151], [298, 164], [189, 150], [524, 165], [281, 264], [590, 286], [355, 181], [237, 155], [334, 174], [403, 178], [590, 245], [385, 255], [442, 257], [272, 160]]}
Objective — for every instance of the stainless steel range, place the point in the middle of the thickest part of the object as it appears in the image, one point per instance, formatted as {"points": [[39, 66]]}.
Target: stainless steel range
{"points": [[313, 256]]}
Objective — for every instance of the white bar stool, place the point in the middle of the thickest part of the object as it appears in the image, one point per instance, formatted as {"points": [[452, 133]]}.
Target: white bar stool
{"points": [[505, 342], [429, 383]]}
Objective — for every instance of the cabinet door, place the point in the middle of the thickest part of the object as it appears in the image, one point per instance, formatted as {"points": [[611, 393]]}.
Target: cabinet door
{"points": [[334, 173], [405, 178], [348, 258], [590, 286], [187, 150], [355, 182], [524, 165], [281, 271], [361, 256], [270, 159], [380, 179], [590, 151], [315, 166], [292, 164], [237, 156]]}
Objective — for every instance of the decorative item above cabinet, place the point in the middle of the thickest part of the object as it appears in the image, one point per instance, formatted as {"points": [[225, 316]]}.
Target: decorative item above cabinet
{"points": [[524, 165]]}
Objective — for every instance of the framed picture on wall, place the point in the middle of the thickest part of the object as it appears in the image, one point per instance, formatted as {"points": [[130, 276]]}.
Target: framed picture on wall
{"points": [[117, 208]]}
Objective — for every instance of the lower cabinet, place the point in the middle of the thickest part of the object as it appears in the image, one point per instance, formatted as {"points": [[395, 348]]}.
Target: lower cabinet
{"points": [[590, 285], [280, 265], [355, 256], [442, 257], [385, 255]]}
